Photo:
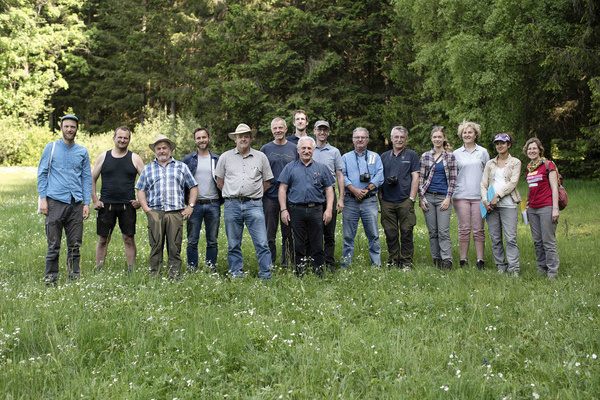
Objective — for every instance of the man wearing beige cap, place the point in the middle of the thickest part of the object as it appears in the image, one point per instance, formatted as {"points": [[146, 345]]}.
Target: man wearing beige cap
{"points": [[161, 193], [243, 174]]}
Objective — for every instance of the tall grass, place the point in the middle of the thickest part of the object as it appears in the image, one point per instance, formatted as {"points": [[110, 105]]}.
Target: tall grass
{"points": [[362, 333]]}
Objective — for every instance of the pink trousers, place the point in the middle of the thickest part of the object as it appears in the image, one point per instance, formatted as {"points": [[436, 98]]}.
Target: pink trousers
{"points": [[469, 220]]}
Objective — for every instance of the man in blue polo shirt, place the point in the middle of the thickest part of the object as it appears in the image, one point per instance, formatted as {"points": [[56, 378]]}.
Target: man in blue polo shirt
{"points": [[304, 186], [65, 189], [397, 195], [363, 174]]}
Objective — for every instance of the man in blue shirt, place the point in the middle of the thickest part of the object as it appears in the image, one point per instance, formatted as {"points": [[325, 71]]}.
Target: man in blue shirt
{"points": [[397, 195], [301, 197], [363, 175], [161, 193], [280, 152], [203, 164], [65, 189]]}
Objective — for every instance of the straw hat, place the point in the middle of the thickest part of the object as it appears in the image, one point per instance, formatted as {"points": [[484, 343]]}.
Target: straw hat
{"points": [[241, 128], [162, 138]]}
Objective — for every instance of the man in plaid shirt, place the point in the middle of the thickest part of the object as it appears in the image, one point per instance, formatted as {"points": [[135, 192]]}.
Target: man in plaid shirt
{"points": [[161, 193]]}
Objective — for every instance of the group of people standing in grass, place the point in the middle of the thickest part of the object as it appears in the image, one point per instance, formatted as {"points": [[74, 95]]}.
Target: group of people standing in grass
{"points": [[290, 183], [474, 182]]}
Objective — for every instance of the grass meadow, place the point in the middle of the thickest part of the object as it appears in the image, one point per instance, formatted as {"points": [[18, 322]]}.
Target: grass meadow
{"points": [[361, 333]]}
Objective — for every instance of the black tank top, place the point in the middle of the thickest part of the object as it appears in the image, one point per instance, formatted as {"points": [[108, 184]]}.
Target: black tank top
{"points": [[118, 179]]}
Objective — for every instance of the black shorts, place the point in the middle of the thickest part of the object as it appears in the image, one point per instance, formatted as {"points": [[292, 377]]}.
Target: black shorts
{"points": [[107, 219]]}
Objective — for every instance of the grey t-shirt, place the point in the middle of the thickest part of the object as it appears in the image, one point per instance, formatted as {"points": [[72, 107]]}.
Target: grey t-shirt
{"points": [[207, 189], [243, 176]]}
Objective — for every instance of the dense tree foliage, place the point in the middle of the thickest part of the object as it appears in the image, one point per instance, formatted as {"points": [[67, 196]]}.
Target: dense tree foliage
{"points": [[527, 66]]}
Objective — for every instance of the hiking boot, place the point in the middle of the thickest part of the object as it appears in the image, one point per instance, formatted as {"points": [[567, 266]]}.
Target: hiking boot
{"points": [[480, 265], [447, 264], [463, 263]]}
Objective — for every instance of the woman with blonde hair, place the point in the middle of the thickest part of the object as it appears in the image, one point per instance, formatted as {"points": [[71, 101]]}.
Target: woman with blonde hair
{"points": [[471, 160], [542, 207], [502, 173], [436, 186]]}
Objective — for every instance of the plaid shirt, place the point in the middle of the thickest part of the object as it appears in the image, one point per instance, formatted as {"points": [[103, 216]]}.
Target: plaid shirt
{"points": [[164, 186], [428, 166]]}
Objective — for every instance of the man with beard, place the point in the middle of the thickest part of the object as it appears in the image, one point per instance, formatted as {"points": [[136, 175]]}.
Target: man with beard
{"points": [[161, 193], [203, 164], [304, 186], [279, 152], [397, 196], [301, 123], [65, 188], [118, 167]]}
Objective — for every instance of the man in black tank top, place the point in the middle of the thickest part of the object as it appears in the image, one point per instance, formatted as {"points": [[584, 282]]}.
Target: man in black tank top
{"points": [[118, 168]]}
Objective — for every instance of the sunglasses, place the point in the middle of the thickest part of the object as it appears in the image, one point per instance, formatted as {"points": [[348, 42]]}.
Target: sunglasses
{"points": [[502, 137]]}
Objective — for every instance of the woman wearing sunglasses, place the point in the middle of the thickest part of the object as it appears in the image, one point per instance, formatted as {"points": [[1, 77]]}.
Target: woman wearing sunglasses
{"points": [[471, 159], [542, 207], [502, 174], [436, 186]]}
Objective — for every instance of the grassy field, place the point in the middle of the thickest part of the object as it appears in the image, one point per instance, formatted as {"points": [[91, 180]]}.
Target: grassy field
{"points": [[357, 334]]}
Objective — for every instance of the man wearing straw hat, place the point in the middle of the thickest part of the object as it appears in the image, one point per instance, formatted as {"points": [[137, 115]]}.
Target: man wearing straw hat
{"points": [[243, 175], [161, 193]]}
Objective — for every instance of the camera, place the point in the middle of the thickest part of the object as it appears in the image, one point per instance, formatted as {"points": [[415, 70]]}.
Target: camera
{"points": [[366, 177], [392, 180]]}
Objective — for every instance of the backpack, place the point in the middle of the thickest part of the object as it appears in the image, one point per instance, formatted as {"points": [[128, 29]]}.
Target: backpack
{"points": [[563, 198]]}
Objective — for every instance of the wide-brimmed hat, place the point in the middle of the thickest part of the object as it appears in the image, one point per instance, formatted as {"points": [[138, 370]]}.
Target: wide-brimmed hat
{"points": [[162, 138], [241, 128]]}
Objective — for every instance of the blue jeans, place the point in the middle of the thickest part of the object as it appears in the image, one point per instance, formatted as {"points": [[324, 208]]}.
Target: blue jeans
{"points": [[211, 214], [251, 213], [366, 210]]}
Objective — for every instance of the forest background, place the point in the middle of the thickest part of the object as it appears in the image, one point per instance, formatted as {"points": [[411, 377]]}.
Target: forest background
{"points": [[526, 66]]}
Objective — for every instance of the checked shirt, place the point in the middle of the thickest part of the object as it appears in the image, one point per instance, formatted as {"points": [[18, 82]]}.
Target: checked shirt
{"points": [[164, 186]]}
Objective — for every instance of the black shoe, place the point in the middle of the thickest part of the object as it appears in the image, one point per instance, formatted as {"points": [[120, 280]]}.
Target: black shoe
{"points": [[464, 263], [447, 264], [437, 262], [480, 265]]}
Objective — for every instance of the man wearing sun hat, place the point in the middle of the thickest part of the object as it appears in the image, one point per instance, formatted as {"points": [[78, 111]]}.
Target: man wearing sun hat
{"points": [[243, 175], [65, 189], [161, 193]]}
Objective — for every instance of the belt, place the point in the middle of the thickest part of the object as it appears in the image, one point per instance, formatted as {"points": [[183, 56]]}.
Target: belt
{"points": [[366, 197], [241, 198], [436, 193], [207, 201], [306, 204]]}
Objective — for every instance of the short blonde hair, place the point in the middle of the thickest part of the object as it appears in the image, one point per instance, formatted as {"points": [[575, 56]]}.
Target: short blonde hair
{"points": [[469, 124]]}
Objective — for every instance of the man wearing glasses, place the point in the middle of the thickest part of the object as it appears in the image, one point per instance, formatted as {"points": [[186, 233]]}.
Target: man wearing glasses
{"points": [[363, 175], [397, 196]]}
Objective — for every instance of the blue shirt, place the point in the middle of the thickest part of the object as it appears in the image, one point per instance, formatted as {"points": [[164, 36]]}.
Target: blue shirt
{"points": [[402, 167], [439, 182], [330, 157], [70, 173], [355, 165], [164, 186], [306, 183], [279, 156]]}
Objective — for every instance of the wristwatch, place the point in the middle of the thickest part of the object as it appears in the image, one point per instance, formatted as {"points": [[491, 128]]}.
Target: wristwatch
{"points": [[412, 199], [191, 205]]}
